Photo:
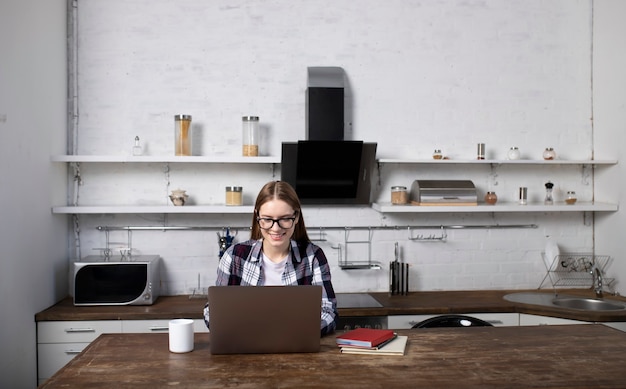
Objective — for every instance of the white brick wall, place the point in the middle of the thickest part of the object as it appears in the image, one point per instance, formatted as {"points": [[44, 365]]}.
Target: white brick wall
{"points": [[423, 75]]}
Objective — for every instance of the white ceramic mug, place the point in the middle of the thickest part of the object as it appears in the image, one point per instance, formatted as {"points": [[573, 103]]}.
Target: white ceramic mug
{"points": [[181, 335]]}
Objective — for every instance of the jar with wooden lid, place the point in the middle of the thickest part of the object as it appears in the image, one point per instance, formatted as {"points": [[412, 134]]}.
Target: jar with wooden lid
{"points": [[399, 195], [234, 195]]}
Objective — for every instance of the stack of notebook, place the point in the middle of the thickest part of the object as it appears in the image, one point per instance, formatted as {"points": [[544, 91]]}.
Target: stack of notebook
{"points": [[372, 341]]}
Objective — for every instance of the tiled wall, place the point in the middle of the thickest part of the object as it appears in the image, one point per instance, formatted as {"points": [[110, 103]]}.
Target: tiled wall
{"points": [[422, 75]]}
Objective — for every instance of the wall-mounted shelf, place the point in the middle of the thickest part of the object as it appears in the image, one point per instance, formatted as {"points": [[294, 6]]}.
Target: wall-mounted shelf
{"points": [[498, 162], [148, 209], [164, 159], [500, 207]]}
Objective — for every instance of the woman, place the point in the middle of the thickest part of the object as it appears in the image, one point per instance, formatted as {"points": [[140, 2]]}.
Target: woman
{"points": [[279, 252]]}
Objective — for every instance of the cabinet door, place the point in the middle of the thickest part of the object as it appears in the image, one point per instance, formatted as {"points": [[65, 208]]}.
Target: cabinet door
{"points": [[536, 320], [496, 319], [53, 356], [75, 331]]}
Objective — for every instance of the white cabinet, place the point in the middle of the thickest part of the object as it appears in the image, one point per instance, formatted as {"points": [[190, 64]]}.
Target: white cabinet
{"points": [[536, 320], [496, 319], [59, 341]]}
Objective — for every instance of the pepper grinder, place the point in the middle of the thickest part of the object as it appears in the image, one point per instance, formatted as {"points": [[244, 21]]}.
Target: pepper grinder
{"points": [[549, 200], [137, 149]]}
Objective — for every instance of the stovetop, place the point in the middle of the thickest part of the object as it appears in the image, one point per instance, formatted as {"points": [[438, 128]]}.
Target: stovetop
{"points": [[356, 300]]}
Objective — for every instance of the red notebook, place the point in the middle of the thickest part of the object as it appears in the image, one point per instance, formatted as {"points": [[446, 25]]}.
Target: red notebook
{"points": [[364, 337]]}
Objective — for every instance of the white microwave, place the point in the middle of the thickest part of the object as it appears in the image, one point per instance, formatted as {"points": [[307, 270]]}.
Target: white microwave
{"points": [[134, 281]]}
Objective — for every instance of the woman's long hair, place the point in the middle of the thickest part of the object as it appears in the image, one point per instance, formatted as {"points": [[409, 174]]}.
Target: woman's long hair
{"points": [[279, 190]]}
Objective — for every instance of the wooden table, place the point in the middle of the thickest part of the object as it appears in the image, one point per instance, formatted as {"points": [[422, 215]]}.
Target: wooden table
{"points": [[582, 356]]}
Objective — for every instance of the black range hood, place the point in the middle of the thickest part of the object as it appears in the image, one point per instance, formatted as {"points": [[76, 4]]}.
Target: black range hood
{"points": [[326, 168], [329, 172]]}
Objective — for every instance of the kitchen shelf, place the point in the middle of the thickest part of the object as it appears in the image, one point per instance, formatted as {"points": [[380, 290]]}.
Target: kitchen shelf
{"points": [[497, 161], [164, 159], [500, 207], [151, 209]]}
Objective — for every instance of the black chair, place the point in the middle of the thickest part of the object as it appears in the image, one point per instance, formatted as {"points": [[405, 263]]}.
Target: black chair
{"points": [[452, 321]]}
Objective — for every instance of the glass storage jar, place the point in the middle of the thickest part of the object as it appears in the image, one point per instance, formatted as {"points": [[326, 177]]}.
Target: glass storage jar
{"points": [[570, 198], [513, 153], [234, 195], [399, 195], [250, 133], [182, 135], [491, 198], [437, 154], [549, 154]]}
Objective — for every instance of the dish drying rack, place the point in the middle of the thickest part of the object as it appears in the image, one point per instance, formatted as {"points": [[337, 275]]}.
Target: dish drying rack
{"points": [[575, 270]]}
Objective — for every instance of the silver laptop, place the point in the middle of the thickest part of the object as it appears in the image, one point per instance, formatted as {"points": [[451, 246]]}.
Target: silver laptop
{"points": [[265, 319]]}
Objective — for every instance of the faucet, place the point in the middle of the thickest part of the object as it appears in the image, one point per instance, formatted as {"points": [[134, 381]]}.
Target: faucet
{"points": [[596, 273]]}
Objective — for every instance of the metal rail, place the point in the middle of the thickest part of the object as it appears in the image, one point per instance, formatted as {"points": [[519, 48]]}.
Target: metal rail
{"points": [[322, 228]]}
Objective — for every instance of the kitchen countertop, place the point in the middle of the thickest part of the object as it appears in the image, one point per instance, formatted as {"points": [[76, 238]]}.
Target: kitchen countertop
{"points": [[582, 356], [415, 303]]}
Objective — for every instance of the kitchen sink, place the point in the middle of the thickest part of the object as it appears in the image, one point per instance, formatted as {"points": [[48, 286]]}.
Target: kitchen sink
{"points": [[588, 304], [565, 301]]}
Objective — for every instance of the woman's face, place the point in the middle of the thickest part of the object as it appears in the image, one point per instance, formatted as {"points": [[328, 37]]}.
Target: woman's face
{"points": [[277, 220]]}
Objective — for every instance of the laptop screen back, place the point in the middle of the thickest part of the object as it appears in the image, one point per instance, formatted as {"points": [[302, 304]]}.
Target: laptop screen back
{"points": [[264, 319]]}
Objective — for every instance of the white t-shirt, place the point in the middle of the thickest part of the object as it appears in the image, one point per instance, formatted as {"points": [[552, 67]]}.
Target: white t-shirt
{"points": [[273, 272]]}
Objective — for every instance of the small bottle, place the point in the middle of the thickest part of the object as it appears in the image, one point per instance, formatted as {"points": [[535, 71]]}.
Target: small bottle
{"points": [[571, 197], [250, 136], [549, 154], [491, 198], [399, 195], [137, 149], [523, 195], [481, 151], [437, 154], [549, 200], [182, 135], [513, 153], [234, 195]]}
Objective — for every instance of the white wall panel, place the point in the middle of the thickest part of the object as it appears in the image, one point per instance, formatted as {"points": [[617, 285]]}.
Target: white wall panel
{"points": [[422, 75]]}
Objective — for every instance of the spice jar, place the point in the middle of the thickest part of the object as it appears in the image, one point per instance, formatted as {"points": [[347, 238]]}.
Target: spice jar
{"points": [[491, 198], [234, 195], [513, 153], [250, 136], [571, 197], [437, 154], [549, 154], [399, 195], [523, 195], [480, 152], [182, 135]]}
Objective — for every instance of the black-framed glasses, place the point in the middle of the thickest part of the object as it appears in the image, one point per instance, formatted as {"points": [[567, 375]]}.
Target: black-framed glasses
{"points": [[267, 223]]}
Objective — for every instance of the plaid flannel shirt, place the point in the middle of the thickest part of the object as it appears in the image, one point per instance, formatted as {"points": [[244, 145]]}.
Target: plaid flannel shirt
{"points": [[242, 264]]}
